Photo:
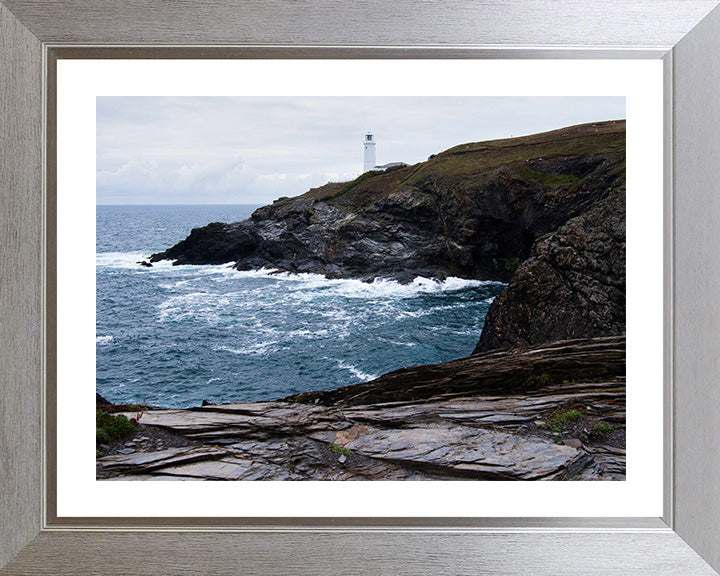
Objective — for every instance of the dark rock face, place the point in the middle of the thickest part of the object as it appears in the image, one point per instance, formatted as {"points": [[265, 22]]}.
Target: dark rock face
{"points": [[215, 243], [100, 401], [473, 211], [572, 286]]}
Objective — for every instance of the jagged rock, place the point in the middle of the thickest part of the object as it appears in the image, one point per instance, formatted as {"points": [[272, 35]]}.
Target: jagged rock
{"points": [[572, 286], [100, 402]]}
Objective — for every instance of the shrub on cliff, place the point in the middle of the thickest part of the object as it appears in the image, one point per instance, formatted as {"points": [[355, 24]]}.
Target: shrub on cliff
{"points": [[110, 427]]}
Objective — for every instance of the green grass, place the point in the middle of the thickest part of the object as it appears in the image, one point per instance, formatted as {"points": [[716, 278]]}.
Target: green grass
{"points": [[465, 167], [340, 450], [350, 185], [483, 157], [559, 421], [512, 264], [547, 179], [602, 429], [535, 380], [109, 427]]}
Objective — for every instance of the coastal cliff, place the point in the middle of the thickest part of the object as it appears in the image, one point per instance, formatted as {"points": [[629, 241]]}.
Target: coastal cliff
{"points": [[572, 286]]}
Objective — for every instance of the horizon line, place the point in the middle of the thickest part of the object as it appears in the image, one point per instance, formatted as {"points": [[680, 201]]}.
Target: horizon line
{"points": [[186, 204]]}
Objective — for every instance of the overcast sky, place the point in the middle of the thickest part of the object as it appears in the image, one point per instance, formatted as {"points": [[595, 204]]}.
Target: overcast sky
{"points": [[247, 150]]}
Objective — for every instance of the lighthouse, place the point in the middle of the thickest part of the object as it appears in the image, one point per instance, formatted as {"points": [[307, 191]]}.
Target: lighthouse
{"points": [[369, 152]]}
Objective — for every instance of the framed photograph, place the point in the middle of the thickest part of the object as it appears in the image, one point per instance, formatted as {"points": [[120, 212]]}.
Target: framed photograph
{"points": [[295, 259], [331, 336]]}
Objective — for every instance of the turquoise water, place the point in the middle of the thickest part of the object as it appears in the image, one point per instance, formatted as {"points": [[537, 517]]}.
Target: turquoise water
{"points": [[177, 335]]}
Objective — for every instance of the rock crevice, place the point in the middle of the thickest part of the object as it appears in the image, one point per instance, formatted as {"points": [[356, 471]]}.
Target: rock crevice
{"points": [[572, 285]]}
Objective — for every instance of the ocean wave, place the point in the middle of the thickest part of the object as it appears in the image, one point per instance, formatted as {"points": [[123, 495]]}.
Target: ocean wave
{"points": [[340, 302], [119, 259], [397, 343], [285, 335], [196, 305], [103, 340], [379, 288], [411, 314], [255, 349], [131, 260], [355, 371], [348, 286], [301, 282]]}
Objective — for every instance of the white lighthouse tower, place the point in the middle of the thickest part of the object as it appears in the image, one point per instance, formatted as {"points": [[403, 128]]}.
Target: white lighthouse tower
{"points": [[369, 155]]}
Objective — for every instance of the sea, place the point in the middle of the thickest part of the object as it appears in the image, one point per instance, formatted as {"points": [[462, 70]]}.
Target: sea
{"points": [[176, 336]]}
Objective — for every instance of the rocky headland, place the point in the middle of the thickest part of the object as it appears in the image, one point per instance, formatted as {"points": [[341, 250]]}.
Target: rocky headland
{"points": [[543, 394], [473, 211]]}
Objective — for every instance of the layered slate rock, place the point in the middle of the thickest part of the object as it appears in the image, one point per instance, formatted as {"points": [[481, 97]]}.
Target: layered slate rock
{"points": [[470, 451], [473, 211], [484, 432], [491, 373], [572, 286]]}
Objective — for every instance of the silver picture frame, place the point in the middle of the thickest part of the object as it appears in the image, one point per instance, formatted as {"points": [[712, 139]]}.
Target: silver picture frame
{"points": [[683, 33]]}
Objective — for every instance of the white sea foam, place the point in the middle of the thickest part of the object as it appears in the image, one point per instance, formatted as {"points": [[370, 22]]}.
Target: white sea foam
{"points": [[404, 314], [353, 288], [200, 305], [297, 286], [306, 334], [291, 334], [103, 340], [397, 343], [131, 260], [254, 349], [336, 315], [119, 259], [359, 374]]}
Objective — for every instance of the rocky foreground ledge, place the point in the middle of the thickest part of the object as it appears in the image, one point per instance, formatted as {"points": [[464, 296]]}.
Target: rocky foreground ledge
{"points": [[551, 412]]}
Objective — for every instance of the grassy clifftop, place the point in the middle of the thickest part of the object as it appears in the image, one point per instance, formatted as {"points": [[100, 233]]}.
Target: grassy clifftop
{"points": [[466, 167]]}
